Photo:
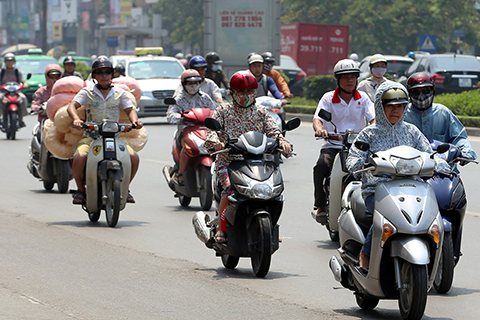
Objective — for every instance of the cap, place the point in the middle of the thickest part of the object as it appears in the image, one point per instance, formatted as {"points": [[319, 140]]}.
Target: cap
{"points": [[255, 58]]}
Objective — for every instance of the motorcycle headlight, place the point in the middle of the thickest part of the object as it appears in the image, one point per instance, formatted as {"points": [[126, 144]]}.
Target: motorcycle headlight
{"points": [[110, 127], [407, 166], [260, 189], [199, 142]]}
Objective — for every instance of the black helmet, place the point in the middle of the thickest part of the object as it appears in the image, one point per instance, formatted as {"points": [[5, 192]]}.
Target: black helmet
{"points": [[213, 57], [102, 62], [69, 59], [268, 57], [120, 69]]}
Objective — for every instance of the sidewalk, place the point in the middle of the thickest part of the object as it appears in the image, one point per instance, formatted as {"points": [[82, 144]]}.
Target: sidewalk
{"points": [[471, 131]]}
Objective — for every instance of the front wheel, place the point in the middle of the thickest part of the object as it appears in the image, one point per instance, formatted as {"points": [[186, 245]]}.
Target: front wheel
{"points": [[229, 262], [261, 245], [48, 185], [444, 277], [12, 119], [112, 209], [206, 192], [413, 293], [63, 175], [366, 303], [184, 200]]}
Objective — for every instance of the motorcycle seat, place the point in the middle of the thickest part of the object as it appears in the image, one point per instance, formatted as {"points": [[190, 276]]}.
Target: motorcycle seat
{"points": [[359, 209]]}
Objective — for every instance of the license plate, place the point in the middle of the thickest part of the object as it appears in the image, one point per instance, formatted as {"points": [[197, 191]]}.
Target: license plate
{"points": [[464, 82]]}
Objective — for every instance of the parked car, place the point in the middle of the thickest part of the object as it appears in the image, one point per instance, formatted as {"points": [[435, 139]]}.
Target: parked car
{"points": [[396, 66], [451, 72], [34, 63], [290, 68], [158, 78]]}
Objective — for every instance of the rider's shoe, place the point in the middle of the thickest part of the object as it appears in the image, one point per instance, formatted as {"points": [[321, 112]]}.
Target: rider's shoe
{"points": [[22, 124], [320, 215]]}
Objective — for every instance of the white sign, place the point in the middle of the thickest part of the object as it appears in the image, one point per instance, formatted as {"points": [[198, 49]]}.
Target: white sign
{"points": [[427, 44], [68, 10]]}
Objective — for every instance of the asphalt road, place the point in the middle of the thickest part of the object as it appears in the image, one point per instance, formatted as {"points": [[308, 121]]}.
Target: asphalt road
{"points": [[55, 264]]}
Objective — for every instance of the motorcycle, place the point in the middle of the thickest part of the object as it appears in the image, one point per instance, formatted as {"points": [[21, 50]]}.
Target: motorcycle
{"points": [[11, 112], [274, 108], [194, 161], [339, 178], [407, 232], [107, 171], [255, 206], [452, 202], [43, 165]]}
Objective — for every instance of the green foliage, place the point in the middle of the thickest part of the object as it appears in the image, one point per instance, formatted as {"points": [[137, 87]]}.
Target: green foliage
{"points": [[316, 86], [466, 103], [83, 69]]}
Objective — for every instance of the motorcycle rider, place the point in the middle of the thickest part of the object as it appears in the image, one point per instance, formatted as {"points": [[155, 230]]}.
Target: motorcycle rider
{"points": [[102, 101], [119, 71], [8, 74], [268, 61], [199, 64], [69, 66], [350, 109], [353, 56], [435, 120], [236, 118], [390, 130], [378, 68], [265, 83], [214, 72], [190, 97], [52, 74]]}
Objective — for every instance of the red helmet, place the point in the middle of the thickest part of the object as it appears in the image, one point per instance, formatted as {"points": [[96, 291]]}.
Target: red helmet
{"points": [[190, 75], [420, 80], [243, 80]]}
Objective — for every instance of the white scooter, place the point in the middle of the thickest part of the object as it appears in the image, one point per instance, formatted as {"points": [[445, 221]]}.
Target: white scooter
{"points": [[107, 172], [407, 232]]}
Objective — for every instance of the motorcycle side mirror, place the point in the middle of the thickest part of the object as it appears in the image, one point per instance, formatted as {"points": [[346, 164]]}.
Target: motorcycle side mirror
{"points": [[29, 76], [169, 101], [212, 124], [444, 147], [362, 145], [293, 124], [325, 115]]}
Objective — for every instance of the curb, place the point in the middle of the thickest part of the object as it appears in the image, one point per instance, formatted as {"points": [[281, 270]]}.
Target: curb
{"points": [[471, 131]]}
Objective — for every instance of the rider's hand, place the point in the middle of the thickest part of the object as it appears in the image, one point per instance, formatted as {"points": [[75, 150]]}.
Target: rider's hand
{"points": [[138, 124], [284, 102], [77, 124], [35, 108], [219, 146], [287, 148], [289, 96], [321, 133]]}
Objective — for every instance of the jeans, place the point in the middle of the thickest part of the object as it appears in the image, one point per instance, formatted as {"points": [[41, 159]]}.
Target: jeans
{"points": [[322, 170], [367, 245]]}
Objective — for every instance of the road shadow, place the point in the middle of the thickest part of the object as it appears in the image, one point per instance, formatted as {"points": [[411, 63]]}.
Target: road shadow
{"points": [[100, 224], [244, 273], [377, 314]]}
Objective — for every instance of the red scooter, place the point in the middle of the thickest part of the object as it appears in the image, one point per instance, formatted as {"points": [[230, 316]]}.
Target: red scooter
{"points": [[11, 114], [193, 161]]}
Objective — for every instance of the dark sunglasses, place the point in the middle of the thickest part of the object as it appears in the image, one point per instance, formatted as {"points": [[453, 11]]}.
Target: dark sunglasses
{"points": [[416, 93], [103, 72]]}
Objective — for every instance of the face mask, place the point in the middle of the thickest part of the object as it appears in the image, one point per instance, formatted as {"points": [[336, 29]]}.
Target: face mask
{"points": [[423, 101], [193, 89], [267, 66], [215, 67], [244, 100], [379, 72]]}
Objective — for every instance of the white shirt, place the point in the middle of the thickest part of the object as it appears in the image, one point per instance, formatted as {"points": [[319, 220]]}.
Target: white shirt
{"points": [[355, 115]]}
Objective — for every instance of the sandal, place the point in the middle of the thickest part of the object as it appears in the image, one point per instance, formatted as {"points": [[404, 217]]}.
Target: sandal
{"points": [[130, 198], [79, 197], [220, 237]]}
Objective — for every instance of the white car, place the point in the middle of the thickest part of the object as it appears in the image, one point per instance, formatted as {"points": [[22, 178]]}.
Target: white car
{"points": [[158, 78]]}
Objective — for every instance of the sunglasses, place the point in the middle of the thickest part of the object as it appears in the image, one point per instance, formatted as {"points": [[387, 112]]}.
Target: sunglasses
{"points": [[416, 93], [103, 72]]}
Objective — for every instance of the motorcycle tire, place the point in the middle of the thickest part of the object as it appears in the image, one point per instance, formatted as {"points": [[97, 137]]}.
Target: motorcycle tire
{"points": [[413, 296], [365, 302], [63, 175], [114, 191], [184, 200], [230, 262], [206, 192], [334, 236], [94, 216], [261, 249], [444, 277], [48, 185], [12, 119]]}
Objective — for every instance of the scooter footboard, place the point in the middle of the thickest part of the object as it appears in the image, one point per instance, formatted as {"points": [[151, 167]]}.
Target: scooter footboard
{"points": [[412, 249]]}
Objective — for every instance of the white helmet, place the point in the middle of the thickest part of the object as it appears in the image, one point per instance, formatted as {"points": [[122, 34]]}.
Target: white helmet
{"points": [[353, 56], [345, 66], [377, 58]]}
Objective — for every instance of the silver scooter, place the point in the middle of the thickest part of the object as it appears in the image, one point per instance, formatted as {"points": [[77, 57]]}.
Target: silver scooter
{"points": [[407, 232]]}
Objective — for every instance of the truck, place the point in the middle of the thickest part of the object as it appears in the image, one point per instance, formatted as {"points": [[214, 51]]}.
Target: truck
{"points": [[234, 29], [315, 47]]}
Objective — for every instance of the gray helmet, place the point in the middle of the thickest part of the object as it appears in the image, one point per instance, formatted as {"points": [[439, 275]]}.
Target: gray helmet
{"points": [[345, 66], [68, 59], [102, 62], [9, 57], [377, 58], [268, 57]]}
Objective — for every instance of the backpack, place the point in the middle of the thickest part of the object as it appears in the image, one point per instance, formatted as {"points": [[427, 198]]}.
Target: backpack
{"points": [[2, 74]]}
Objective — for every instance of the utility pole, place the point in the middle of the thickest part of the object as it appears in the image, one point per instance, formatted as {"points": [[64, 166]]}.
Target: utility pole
{"points": [[43, 25]]}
